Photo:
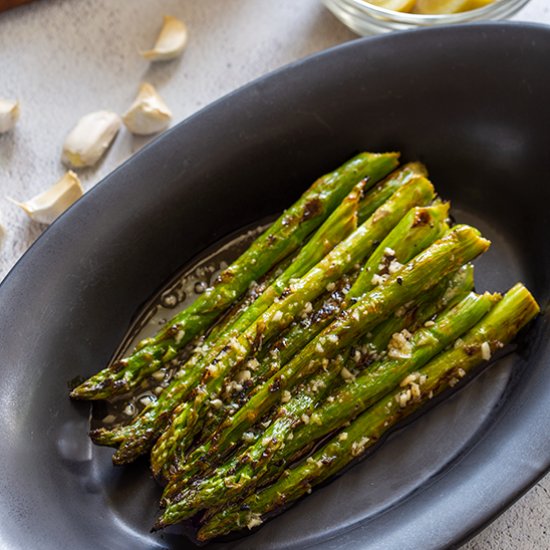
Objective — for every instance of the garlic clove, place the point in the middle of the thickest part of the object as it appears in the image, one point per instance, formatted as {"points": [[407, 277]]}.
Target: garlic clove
{"points": [[148, 114], [170, 42], [2, 233], [90, 138], [9, 113], [47, 206]]}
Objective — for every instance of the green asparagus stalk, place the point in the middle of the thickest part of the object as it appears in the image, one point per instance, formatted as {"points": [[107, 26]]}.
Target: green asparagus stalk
{"points": [[460, 245], [340, 260], [339, 225], [498, 328], [343, 406], [420, 227], [280, 240], [446, 293]]}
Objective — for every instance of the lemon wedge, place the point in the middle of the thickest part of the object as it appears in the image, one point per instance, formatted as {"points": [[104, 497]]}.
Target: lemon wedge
{"points": [[438, 7], [394, 5]]}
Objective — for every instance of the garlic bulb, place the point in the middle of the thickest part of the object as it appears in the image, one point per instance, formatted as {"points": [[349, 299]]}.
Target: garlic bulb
{"points": [[90, 138], [148, 114], [9, 113], [47, 206], [170, 42]]}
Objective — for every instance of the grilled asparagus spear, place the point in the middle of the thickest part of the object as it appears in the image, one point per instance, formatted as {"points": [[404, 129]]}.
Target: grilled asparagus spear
{"points": [[515, 310]]}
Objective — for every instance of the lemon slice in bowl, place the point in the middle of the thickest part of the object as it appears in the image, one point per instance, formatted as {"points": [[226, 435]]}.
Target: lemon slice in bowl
{"points": [[394, 5], [439, 7]]}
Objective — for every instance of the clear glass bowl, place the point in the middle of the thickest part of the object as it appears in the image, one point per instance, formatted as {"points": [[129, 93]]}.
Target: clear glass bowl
{"points": [[365, 18]]}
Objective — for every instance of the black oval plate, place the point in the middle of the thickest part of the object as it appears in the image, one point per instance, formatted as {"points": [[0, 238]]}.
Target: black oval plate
{"points": [[472, 102]]}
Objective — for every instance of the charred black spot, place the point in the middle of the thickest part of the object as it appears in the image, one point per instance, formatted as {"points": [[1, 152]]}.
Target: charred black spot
{"points": [[245, 459], [422, 218], [271, 240], [286, 292], [325, 311], [312, 208], [225, 276], [172, 331], [399, 281], [117, 367], [470, 350], [276, 386], [116, 385]]}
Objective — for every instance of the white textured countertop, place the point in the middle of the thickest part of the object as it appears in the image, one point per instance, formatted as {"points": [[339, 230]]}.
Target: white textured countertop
{"points": [[65, 58]]}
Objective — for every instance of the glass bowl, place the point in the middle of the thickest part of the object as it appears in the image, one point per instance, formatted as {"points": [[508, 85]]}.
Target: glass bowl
{"points": [[365, 18]]}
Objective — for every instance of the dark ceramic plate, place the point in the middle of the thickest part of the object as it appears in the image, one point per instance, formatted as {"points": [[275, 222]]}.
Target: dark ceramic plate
{"points": [[473, 103]]}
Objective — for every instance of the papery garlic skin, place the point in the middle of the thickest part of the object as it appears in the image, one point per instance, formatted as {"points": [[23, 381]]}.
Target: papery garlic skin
{"points": [[170, 42], [47, 206], [9, 114], [148, 114], [90, 138]]}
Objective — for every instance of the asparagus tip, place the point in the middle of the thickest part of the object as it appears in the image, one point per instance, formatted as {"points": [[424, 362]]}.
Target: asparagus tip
{"points": [[157, 526]]}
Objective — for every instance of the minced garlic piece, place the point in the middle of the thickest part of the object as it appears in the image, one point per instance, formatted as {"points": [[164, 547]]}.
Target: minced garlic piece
{"points": [[254, 520], [346, 374], [278, 316], [243, 376], [486, 351]]}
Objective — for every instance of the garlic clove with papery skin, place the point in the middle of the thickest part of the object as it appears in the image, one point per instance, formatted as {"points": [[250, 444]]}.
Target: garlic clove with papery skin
{"points": [[170, 42], [9, 114], [148, 114], [90, 138], [47, 206]]}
